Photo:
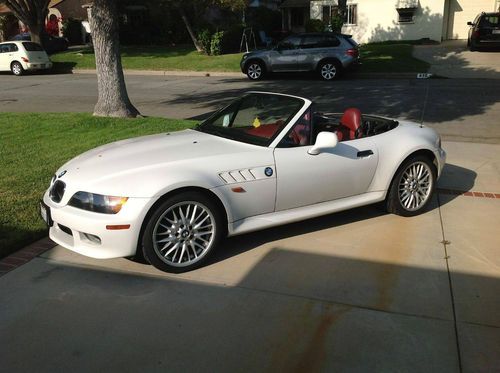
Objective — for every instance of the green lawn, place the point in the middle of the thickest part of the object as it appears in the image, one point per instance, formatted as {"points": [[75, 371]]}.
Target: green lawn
{"points": [[376, 57], [390, 57], [33, 146], [154, 58]]}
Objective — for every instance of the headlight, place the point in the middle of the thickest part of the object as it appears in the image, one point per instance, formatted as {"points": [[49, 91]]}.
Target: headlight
{"points": [[97, 202]]}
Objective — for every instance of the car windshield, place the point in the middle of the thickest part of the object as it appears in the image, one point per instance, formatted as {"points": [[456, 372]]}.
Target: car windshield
{"points": [[255, 118]]}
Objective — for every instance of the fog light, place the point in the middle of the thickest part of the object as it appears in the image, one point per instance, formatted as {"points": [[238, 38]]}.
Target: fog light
{"points": [[92, 238]]}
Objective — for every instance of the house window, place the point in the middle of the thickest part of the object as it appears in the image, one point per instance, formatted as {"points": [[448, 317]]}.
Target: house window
{"points": [[352, 14], [406, 15]]}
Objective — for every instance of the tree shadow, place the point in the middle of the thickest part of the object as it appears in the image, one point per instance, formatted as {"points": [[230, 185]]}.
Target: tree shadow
{"points": [[62, 68], [288, 310]]}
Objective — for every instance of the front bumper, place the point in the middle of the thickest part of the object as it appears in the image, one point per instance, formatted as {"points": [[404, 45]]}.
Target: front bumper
{"points": [[72, 226]]}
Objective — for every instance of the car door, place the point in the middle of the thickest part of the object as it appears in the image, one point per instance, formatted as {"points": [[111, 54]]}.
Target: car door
{"points": [[4, 57], [284, 56], [307, 52], [343, 171]]}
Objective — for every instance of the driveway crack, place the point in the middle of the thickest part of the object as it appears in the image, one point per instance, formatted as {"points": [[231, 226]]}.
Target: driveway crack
{"points": [[445, 244]]}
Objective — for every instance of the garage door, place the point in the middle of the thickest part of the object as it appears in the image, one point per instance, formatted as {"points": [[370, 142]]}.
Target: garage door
{"points": [[459, 12]]}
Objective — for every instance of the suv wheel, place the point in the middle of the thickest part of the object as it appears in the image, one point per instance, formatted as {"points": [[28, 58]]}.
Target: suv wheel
{"points": [[329, 70], [255, 70]]}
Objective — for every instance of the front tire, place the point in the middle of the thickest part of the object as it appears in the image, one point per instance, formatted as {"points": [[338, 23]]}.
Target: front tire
{"points": [[329, 70], [16, 68], [255, 70], [182, 232], [412, 187]]}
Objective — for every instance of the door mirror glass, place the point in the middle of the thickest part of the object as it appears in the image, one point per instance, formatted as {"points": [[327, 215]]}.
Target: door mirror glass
{"points": [[324, 142]]}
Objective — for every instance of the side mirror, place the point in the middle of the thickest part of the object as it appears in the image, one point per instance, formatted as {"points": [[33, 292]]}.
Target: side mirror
{"points": [[324, 141], [470, 23]]}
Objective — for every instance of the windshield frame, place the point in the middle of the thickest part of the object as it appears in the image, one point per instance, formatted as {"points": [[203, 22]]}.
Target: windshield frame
{"points": [[206, 126]]}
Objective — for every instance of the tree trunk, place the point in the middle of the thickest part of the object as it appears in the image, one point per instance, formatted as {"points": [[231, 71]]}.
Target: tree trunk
{"points": [[113, 100], [36, 31], [190, 30]]}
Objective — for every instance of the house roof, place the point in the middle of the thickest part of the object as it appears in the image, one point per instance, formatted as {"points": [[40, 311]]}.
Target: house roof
{"points": [[295, 4]]}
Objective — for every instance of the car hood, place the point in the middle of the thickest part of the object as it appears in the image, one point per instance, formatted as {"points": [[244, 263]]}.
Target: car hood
{"points": [[135, 167]]}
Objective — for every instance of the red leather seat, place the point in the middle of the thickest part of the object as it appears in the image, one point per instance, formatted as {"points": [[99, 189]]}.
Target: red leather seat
{"points": [[350, 125]]}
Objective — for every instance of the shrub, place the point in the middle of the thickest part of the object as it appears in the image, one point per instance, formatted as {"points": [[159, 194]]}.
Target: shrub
{"points": [[205, 40], [216, 44], [314, 25]]}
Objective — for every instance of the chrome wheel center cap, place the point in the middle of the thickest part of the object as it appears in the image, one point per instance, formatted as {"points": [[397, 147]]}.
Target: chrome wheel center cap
{"points": [[184, 234]]}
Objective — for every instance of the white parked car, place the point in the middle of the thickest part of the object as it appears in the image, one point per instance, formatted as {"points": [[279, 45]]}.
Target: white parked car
{"points": [[265, 160], [21, 56]]}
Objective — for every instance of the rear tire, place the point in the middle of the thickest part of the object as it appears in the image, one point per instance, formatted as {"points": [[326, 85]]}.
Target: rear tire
{"points": [[16, 68], [255, 70], [329, 70], [412, 187], [182, 232]]}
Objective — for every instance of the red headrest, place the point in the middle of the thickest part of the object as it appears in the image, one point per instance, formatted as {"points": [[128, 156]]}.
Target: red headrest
{"points": [[351, 119]]}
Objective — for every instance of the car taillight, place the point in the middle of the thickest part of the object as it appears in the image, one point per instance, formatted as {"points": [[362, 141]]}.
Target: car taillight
{"points": [[25, 59], [352, 52]]}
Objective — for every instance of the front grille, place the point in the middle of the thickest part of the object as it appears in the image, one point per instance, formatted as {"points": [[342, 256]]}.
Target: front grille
{"points": [[57, 191]]}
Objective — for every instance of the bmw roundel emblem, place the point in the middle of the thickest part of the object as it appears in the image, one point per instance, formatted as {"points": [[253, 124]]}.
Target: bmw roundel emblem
{"points": [[62, 174], [268, 171]]}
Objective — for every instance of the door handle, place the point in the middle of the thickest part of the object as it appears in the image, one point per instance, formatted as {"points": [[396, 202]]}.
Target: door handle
{"points": [[364, 153]]}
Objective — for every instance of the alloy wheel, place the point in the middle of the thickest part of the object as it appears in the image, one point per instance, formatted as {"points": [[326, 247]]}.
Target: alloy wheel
{"points": [[17, 69], [328, 71], [184, 233], [254, 71], [415, 186]]}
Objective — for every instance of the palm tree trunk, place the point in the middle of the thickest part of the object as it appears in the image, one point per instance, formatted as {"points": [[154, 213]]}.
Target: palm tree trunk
{"points": [[113, 100]]}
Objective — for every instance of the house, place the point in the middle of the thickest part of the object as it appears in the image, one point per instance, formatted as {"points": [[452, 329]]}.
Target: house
{"points": [[380, 20]]}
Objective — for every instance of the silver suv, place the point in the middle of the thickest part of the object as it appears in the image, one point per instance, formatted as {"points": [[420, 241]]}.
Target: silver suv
{"points": [[326, 53]]}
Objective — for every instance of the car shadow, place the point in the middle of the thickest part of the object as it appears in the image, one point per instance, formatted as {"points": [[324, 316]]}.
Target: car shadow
{"points": [[456, 178]]}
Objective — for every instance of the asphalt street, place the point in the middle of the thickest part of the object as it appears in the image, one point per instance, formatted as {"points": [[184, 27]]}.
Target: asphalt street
{"points": [[460, 109]]}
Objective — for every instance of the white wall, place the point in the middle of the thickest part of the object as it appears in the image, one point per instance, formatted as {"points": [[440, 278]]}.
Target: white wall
{"points": [[459, 12], [378, 20]]}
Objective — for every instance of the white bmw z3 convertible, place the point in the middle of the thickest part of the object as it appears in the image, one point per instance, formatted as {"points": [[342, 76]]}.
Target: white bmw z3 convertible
{"points": [[264, 160]]}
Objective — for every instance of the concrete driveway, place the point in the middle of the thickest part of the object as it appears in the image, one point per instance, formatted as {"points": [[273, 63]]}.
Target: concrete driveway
{"points": [[351, 292], [452, 59]]}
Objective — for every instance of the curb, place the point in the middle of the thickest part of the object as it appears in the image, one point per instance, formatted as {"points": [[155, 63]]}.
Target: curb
{"points": [[24, 255], [207, 74], [169, 73]]}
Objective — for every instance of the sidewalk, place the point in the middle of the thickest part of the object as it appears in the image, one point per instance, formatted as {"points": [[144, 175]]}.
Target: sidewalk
{"points": [[348, 75]]}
